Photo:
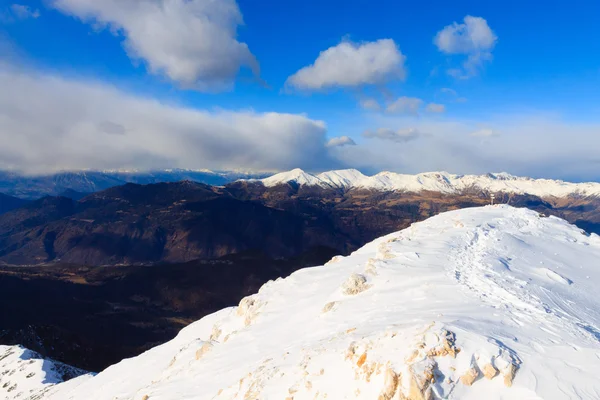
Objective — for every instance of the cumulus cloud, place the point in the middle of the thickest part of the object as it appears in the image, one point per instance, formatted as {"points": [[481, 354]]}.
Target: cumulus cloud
{"points": [[191, 42], [50, 123], [340, 142], [370, 104], [473, 38], [405, 105], [398, 136], [351, 65], [23, 12], [435, 108]]}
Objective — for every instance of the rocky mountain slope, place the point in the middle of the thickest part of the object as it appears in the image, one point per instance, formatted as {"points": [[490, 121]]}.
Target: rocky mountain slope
{"points": [[8, 203], [68, 183], [185, 221], [493, 302], [167, 222]]}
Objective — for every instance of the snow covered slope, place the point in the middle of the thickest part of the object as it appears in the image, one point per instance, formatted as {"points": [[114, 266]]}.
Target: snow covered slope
{"points": [[296, 176], [436, 181], [24, 374], [481, 303], [344, 178]]}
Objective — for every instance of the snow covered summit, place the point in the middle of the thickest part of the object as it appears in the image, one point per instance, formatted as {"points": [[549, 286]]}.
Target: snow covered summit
{"points": [[481, 303], [441, 182]]}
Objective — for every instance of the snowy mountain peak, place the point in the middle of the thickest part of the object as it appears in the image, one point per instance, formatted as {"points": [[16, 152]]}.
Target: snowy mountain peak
{"points": [[341, 178], [481, 303], [296, 176], [505, 176], [442, 182]]}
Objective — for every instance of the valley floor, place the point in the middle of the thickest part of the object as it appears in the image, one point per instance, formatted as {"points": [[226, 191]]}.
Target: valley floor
{"points": [[95, 316]]}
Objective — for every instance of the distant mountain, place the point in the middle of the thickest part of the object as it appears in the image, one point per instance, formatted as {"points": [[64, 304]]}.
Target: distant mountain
{"points": [[165, 222], [484, 303], [441, 182], [215, 178], [67, 183], [34, 187], [8, 203], [73, 194], [185, 221]]}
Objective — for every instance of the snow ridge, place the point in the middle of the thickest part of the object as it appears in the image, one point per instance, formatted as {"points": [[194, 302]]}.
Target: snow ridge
{"points": [[442, 182], [25, 374], [482, 303]]}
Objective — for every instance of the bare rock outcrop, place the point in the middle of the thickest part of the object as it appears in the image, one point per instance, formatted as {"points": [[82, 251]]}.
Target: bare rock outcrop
{"points": [[248, 308], [205, 348], [355, 284]]}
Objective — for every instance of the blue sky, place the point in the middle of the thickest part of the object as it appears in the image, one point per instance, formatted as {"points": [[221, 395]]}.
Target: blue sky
{"points": [[537, 81]]}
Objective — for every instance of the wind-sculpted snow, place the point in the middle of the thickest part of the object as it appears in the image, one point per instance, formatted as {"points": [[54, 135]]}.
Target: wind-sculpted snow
{"points": [[441, 182], [481, 303], [24, 374]]}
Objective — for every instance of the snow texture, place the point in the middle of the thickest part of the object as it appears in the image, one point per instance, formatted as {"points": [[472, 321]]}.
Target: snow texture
{"points": [[442, 182], [481, 303], [24, 374]]}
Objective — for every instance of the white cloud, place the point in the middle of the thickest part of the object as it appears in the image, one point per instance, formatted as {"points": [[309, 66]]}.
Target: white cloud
{"points": [[399, 136], [50, 123], [370, 104], [485, 132], [191, 42], [435, 108], [537, 144], [405, 105], [23, 12], [450, 95], [473, 38], [340, 142], [352, 65]]}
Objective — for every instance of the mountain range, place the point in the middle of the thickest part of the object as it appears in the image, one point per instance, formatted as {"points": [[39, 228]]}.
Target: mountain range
{"points": [[129, 266], [284, 215], [489, 302], [441, 182], [65, 183], [78, 183]]}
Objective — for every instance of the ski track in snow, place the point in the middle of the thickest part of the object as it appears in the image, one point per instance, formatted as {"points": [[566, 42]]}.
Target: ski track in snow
{"points": [[474, 270], [482, 303]]}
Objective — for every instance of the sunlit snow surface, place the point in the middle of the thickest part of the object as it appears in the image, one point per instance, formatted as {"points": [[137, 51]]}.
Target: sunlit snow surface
{"points": [[24, 374], [441, 182], [427, 312]]}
